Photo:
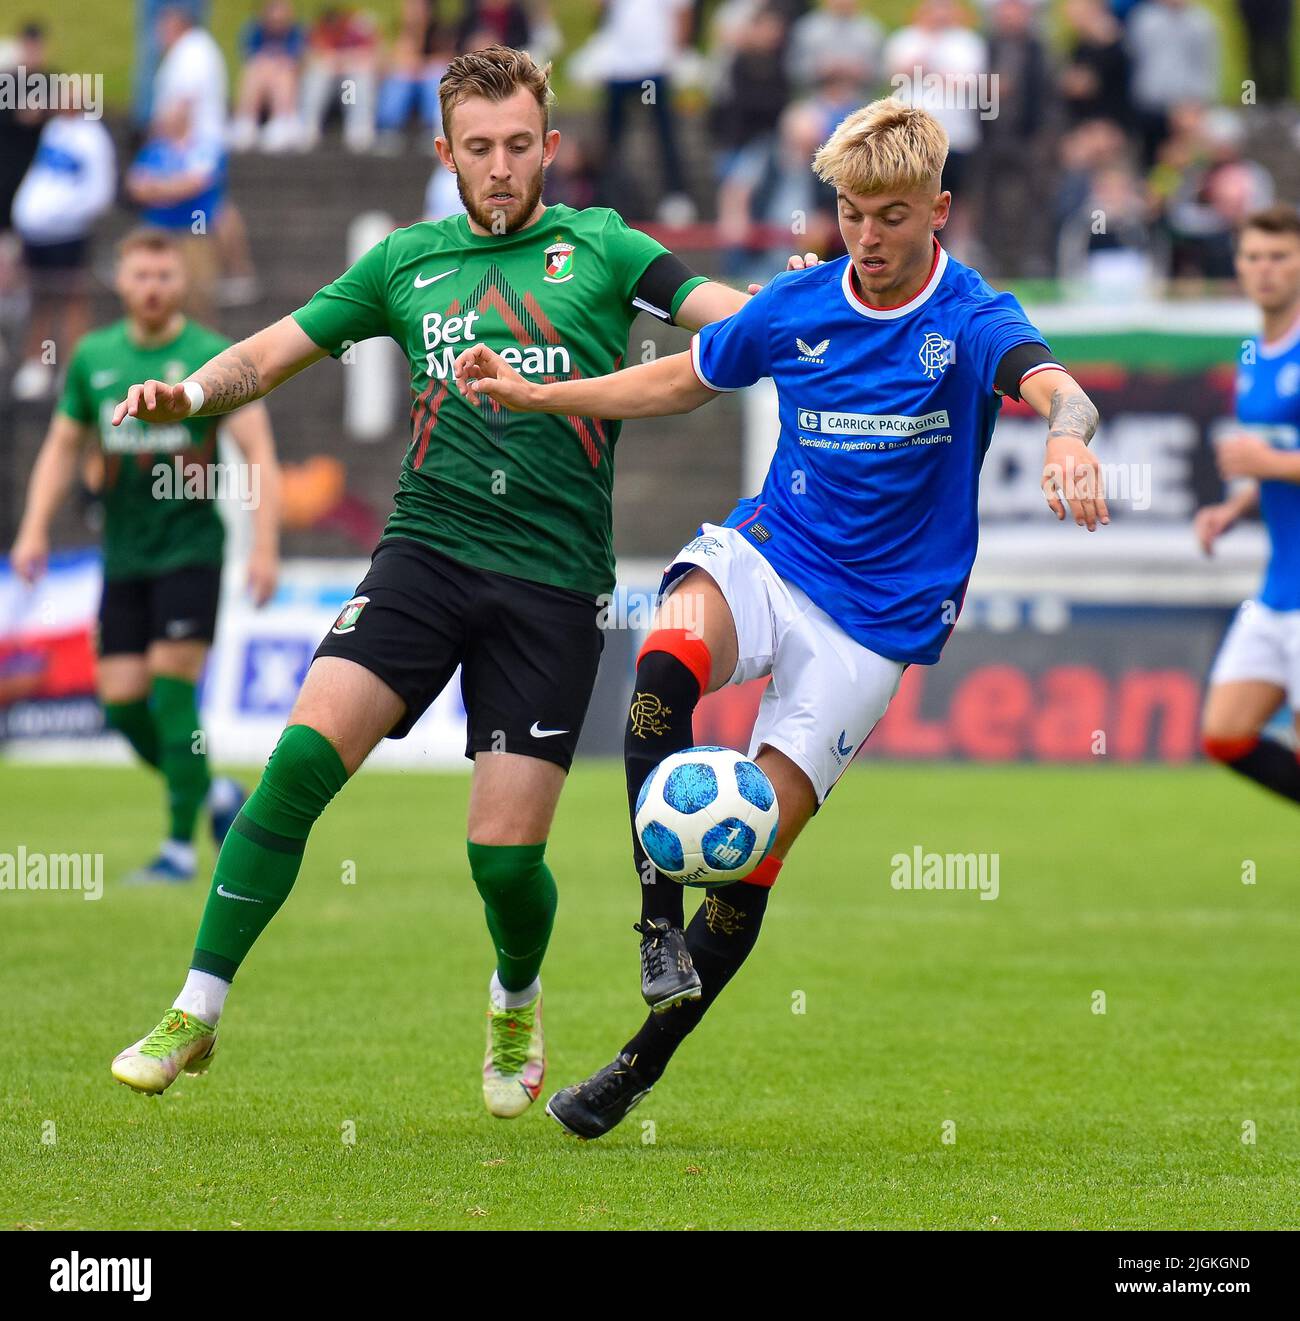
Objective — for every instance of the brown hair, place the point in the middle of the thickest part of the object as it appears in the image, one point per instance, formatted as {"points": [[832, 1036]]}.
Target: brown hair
{"points": [[1277, 219], [149, 239], [496, 72]]}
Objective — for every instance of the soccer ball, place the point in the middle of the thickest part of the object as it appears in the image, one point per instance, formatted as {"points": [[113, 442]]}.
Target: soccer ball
{"points": [[706, 816]]}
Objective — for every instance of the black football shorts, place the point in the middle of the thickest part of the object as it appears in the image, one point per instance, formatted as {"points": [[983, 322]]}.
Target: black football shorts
{"points": [[177, 606], [528, 652]]}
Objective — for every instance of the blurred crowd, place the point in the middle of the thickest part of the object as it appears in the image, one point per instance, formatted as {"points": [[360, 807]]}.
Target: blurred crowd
{"points": [[1089, 140]]}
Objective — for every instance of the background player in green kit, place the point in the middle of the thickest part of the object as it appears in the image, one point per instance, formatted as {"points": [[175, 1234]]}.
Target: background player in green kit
{"points": [[497, 550], [163, 536]]}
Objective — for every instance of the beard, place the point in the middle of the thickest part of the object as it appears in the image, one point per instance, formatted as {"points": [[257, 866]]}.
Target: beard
{"points": [[493, 219]]}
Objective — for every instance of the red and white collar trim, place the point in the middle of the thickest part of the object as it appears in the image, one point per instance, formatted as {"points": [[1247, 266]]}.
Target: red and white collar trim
{"points": [[854, 299], [1272, 348]]}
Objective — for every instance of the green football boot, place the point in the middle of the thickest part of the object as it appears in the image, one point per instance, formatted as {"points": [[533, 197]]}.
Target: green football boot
{"points": [[515, 1062], [179, 1044]]}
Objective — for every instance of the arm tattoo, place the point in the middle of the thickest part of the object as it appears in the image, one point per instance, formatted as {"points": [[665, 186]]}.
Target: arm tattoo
{"points": [[229, 380], [1071, 415]]}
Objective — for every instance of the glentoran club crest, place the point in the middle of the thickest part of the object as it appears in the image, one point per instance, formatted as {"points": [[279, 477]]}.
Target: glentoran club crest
{"points": [[349, 615], [559, 263]]}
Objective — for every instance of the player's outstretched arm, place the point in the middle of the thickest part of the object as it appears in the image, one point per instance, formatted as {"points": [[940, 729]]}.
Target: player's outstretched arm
{"points": [[250, 429], [653, 389], [1072, 477], [236, 376], [52, 474]]}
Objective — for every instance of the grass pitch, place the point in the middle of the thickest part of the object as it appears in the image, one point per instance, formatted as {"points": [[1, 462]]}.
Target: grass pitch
{"points": [[926, 1016]]}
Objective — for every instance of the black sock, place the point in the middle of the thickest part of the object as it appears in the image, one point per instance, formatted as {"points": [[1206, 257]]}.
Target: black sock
{"points": [[1272, 765], [664, 698], [722, 932]]}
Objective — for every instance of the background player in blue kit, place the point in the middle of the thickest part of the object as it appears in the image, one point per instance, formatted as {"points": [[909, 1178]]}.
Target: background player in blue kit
{"points": [[1258, 666], [852, 561]]}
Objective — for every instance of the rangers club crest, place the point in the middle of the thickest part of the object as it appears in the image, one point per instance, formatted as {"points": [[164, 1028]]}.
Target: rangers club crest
{"points": [[935, 354], [559, 263]]}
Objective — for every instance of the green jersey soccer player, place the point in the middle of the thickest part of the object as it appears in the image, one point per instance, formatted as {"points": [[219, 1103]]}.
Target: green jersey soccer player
{"points": [[496, 553], [163, 536]]}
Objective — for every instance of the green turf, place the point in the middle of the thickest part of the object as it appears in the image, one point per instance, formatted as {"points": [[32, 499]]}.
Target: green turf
{"points": [[363, 1005]]}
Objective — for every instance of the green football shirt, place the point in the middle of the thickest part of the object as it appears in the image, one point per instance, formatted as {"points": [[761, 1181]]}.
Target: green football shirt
{"points": [[528, 495], [153, 522]]}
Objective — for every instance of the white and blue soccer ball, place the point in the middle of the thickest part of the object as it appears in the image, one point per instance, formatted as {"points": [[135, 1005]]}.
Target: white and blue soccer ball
{"points": [[706, 816]]}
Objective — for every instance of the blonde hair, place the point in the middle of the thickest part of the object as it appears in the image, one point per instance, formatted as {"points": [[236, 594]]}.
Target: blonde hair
{"points": [[496, 72], [886, 146]]}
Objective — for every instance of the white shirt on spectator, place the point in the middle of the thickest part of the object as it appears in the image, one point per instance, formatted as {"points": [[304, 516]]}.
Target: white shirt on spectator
{"points": [[954, 51], [194, 70], [639, 38], [820, 40], [1175, 53], [69, 184]]}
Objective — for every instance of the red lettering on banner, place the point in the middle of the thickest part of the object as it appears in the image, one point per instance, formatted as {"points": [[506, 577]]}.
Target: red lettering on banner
{"points": [[1143, 693], [990, 711], [1003, 713], [1073, 701]]}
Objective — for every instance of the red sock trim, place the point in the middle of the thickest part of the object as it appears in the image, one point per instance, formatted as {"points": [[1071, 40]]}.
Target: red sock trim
{"points": [[765, 873], [1229, 749], [686, 647]]}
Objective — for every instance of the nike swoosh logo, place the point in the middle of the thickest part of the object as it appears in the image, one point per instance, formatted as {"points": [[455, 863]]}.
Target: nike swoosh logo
{"points": [[243, 898], [538, 732], [422, 283]]}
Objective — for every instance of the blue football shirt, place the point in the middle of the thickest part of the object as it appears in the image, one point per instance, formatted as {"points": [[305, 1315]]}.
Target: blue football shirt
{"points": [[1268, 403], [886, 413]]}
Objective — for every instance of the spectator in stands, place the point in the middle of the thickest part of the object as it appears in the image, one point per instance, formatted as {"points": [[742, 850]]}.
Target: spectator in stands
{"points": [[149, 50], [949, 59], [192, 70], [68, 186], [342, 49], [1174, 46], [1110, 245], [178, 183], [753, 88], [771, 201], [494, 23], [271, 46], [837, 38], [1208, 188], [636, 48], [1014, 153], [1268, 47], [417, 60], [1094, 84], [193, 73], [20, 126]]}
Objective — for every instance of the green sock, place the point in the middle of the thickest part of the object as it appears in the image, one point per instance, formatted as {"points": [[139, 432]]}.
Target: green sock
{"points": [[181, 757], [259, 861], [135, 721], [519, 897]]}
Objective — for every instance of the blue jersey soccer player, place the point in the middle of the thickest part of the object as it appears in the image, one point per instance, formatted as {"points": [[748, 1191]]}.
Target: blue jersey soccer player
{"points": [[852, 561], [1258, 666]]}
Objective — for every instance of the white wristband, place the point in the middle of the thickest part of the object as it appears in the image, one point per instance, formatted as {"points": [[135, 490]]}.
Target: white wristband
{"points": [[194, 393]]}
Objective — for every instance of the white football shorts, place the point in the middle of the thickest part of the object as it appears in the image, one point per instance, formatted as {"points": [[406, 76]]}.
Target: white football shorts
{"points": [[1262, 644], [827, 691]]}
